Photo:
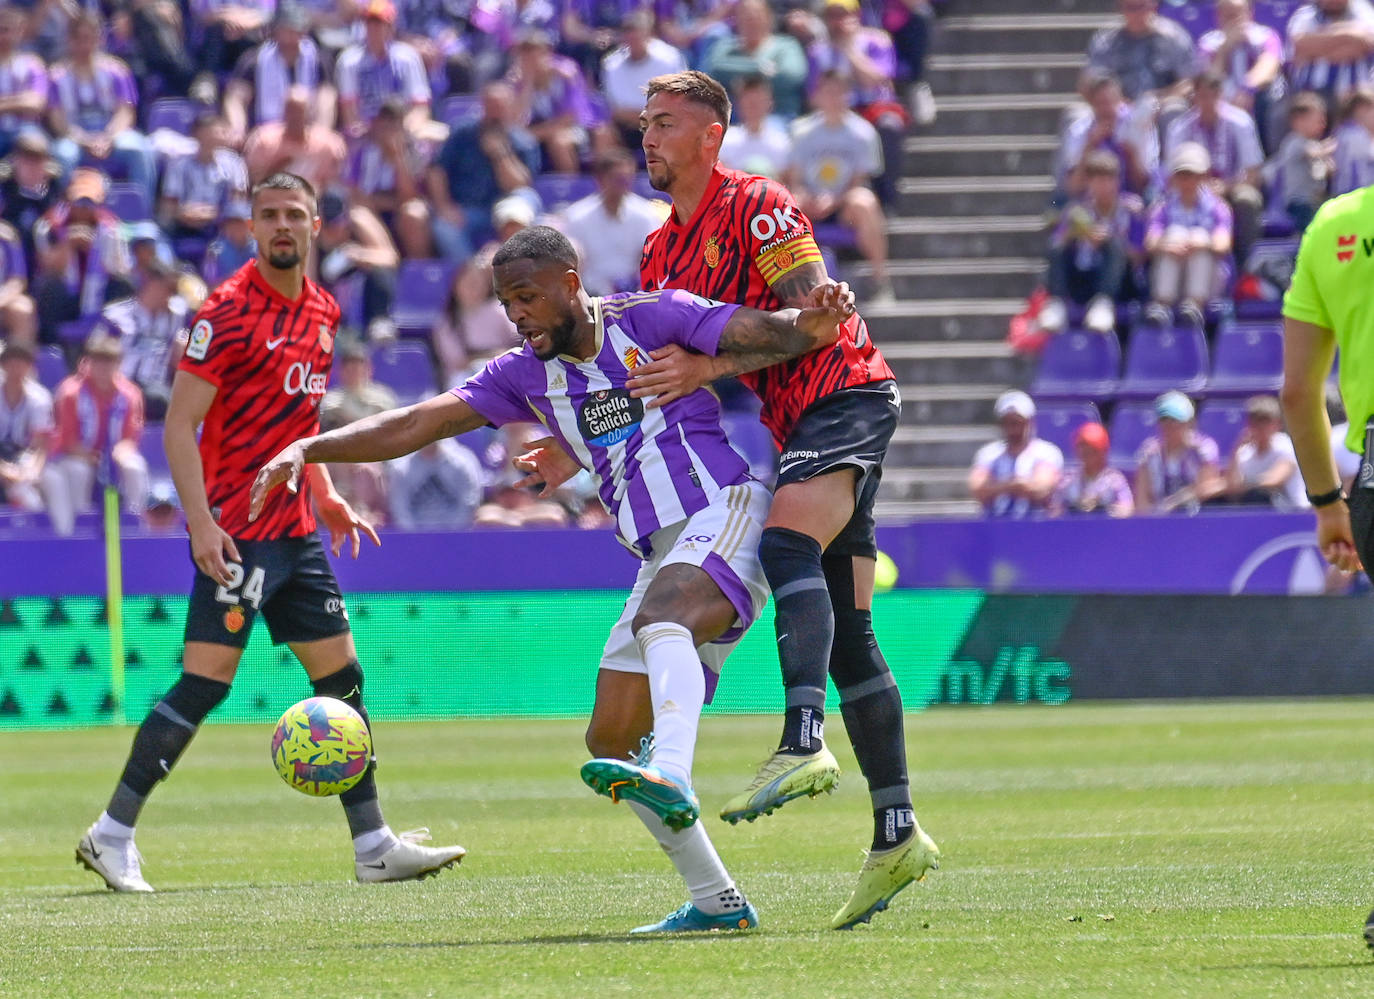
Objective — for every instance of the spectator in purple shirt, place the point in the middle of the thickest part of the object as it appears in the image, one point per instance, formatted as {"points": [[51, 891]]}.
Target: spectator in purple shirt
{"points": [[866, 58], [378, 68], [1092, 486], [1178, 468], [494, 27], [83, 259], [1354, 152], [551, 94], [1106, 125], [1096, 249], [1188, 238], [23, 80], [1331, 46], [92, 110], [226, 29], [257, 92], [384, 174], [910, 22], [196, 188], [1249, 57], [1232, 143]]}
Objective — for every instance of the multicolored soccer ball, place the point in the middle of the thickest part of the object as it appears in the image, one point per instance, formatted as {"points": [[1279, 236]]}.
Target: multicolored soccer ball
{"points": [[321, 746]]}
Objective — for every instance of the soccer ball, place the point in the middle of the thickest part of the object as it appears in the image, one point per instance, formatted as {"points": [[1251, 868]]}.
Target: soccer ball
{"points": [[321, 746]]}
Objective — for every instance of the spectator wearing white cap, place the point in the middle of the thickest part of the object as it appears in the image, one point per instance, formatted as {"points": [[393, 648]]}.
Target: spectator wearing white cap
{"points": [[1177, 468], [1187, 238], [1015, 476]]}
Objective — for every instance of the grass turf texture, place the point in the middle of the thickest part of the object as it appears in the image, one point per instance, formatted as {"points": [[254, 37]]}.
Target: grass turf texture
{"points": [[1206, 850]]}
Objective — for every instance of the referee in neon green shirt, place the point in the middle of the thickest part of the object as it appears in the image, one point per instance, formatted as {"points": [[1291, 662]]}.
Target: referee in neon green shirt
{"points": [[1331, 304]]}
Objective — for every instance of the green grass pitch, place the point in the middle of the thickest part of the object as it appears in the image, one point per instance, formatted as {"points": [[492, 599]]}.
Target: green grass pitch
{"points": [[1198, 850]]}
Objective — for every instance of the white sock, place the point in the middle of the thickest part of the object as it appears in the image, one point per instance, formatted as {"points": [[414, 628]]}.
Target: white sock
{"points": [[371, 845], [677, 689], [108, 828], [694, 856]]}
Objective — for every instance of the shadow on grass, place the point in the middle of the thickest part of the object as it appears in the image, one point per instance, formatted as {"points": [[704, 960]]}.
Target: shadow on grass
{"points": [[1289, 965], [558, 938]]}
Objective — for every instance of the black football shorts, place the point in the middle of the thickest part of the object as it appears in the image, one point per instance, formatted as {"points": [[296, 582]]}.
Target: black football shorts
{"points": [[288, 580], [850, 428]]}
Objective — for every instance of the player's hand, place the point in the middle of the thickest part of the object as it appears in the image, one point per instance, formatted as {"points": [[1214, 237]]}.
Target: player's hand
{"points": [[284, 469], [827, 307], [1335, 538], [213, 549], [673, 373], [343, 524], [547, 465]]}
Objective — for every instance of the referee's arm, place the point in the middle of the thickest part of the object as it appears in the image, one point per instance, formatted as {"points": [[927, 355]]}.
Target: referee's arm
{"points": [[1308, 352]]}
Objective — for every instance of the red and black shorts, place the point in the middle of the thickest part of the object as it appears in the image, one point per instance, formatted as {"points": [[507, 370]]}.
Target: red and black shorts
{"points": [[287, 580], [849, 428]]}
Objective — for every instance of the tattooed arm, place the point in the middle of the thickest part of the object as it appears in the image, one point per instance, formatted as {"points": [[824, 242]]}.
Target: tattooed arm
{"points": [[381, 437], [752, 339]]}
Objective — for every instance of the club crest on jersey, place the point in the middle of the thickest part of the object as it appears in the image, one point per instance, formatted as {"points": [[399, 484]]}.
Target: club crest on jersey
{"points": [[609, 416], [326, 339], [633, 358], [712, 252], [201, 334]]}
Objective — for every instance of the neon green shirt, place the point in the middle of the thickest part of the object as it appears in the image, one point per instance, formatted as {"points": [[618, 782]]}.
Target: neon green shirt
{"points": [[1333, 287]]}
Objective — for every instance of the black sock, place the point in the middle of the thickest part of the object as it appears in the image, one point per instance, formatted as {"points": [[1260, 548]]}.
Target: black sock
{"points": [[805, 626], [871, 706], [361, 809], [160, 741]]}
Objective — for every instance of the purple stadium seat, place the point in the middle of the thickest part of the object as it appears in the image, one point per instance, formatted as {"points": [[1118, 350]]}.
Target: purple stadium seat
{"points": [[348, 292], [176, 113], [129, 203], [1249, 359], [558, 190], [407, 369], [1222, 421], [421, 290], [1158, 360], [1077, 364], [50, 366], [459, 108], [1057, 422], [1132, 423]]}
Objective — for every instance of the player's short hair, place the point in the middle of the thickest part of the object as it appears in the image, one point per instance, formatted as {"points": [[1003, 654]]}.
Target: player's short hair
{"points": [[696, 87], [284, 181], [540, 243]]}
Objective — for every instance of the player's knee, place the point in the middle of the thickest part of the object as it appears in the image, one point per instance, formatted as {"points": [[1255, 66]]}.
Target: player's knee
{"points": [[787, 555], [605, 741], [345, 684], [193, 697]]}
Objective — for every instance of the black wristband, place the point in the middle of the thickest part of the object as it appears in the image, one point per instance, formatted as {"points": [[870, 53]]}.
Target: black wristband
{"points": [[1336, 495]]}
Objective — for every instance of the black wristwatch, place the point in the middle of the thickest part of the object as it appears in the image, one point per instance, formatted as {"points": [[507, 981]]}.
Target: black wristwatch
{"points": [[1336, 495]]}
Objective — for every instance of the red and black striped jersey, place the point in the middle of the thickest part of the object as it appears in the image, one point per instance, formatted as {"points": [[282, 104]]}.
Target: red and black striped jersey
{"points": [[746, 234], [270, 358]]}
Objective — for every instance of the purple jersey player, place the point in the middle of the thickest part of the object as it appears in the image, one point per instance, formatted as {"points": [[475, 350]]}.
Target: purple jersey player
{"points": [[682, 498]]}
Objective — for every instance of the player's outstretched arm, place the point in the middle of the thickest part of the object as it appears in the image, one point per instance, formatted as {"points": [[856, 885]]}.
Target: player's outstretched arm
{"points": [[752, 339], [381, 437]]}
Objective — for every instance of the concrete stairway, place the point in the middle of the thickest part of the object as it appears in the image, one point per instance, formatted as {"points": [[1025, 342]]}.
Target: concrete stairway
{"points": [[968, 238]]}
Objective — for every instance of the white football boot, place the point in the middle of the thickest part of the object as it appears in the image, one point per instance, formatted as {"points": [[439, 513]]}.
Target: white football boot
{"points": [[116, 860], [409, 859]]}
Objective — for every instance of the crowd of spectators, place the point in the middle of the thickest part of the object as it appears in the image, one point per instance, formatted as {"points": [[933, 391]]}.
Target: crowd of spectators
{"points": [[1177, 468], [131, 132], [1184, 152]]}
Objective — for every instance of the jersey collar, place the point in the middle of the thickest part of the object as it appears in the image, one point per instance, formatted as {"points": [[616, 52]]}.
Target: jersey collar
{"points": [[255, 275], [707, 198]]}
